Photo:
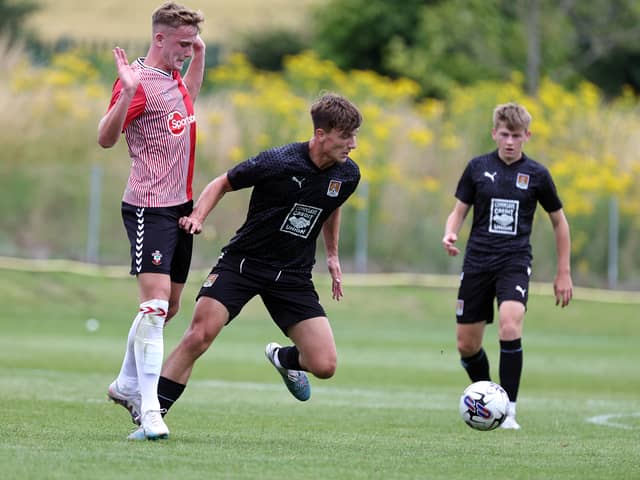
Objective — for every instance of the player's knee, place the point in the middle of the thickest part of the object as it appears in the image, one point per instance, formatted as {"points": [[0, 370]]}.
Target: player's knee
{"points": [[468, 347], [198, 338], [324, 368], [173, 310]]}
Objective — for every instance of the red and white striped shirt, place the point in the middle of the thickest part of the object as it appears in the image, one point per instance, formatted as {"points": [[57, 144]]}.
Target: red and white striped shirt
{"points": [[160, 129]]}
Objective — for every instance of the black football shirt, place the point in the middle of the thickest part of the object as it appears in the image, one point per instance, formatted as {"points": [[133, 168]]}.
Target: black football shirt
{"points": [[290, 201], [504, 199]]}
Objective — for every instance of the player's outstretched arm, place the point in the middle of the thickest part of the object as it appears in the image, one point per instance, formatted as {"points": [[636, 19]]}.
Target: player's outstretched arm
{"points": [[331, 235], [111, 124], [562, 284], [452, 227], [207, 201]]}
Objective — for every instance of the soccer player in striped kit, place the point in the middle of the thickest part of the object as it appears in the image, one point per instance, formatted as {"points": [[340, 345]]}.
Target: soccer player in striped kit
{"points": [[153, 105], [504, 188]]}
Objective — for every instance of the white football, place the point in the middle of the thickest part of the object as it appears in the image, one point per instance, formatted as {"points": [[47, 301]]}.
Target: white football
{"points": [[483, 405]]}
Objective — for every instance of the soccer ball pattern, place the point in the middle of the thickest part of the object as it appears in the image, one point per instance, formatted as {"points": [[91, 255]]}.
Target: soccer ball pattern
{"points": [[483, 405]]}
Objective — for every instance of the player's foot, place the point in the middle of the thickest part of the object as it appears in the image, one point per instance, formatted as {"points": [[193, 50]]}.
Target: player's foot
{"points": [[152, 427], [295, 380], [510, 423], [130, 401]]}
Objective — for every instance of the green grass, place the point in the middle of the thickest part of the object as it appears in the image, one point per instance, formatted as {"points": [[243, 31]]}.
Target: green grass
{"points": [[389, 413]]}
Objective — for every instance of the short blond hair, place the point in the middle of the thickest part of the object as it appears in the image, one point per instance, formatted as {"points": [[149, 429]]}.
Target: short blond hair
{"points": [[173, 15], [511, 115]]}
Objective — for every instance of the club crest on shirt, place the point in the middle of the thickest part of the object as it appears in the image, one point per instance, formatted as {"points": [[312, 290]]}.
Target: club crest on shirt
{"points": [[210, 280], [522, 181], [300, 220], [156, 258], [334, 188]]}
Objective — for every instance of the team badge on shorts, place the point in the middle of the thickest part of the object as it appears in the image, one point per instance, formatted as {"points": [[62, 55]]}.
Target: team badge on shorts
{"points": [[156, 258], [459, 307], [334, 188], [210, 280], [522, 181]]}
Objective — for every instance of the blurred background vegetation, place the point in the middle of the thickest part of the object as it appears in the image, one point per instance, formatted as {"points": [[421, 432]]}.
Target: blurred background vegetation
{"points": [[426, 75]]}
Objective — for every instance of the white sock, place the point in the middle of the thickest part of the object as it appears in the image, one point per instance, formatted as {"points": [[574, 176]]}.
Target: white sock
{"points": [[128, 376], [149, 351]]}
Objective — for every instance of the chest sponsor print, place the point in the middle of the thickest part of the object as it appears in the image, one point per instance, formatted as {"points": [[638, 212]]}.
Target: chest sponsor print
{"points": [[300, 220], [503, 218]]}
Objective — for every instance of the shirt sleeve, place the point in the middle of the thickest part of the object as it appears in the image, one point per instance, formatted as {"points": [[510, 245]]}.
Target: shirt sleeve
{"points": [[137, 103], [548, 196], [250, 172], [466, 190]]}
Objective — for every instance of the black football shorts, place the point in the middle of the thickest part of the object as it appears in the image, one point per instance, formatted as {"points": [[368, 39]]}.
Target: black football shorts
{"points": [[290, 297], [158, 244], [479, 289]]}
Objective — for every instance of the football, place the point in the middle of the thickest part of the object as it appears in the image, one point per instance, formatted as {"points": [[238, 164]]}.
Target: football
{"points": [[483, 405]]}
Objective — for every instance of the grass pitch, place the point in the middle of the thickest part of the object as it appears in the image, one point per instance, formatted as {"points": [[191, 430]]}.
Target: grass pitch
{"points": [[391, 411]]}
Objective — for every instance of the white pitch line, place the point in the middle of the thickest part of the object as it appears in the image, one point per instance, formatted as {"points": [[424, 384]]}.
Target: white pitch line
{"points": [[609, 420]]}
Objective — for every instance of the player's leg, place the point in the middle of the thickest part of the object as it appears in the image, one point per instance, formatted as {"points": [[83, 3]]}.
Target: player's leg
{"points": [[314, 351], [472, 356], [474, 310], [223, 294], [294, 305], [512, 293]]}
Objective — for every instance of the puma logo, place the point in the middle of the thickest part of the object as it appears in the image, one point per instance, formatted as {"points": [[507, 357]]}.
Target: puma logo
{"points": [[298, 181], [491, 176], [521, 290]]}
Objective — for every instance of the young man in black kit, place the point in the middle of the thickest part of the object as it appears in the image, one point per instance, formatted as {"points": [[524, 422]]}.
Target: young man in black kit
{"points": [[504, 188], [297, 193]]}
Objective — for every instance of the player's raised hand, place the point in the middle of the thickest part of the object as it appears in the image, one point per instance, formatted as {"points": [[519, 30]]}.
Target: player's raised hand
{"points": [[129, 78]]}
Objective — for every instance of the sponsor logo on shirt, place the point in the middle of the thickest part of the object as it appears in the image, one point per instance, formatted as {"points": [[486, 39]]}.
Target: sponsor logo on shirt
{"points": [[334, 188], [300, 220], [178, 123], [522, 181], [504, 216]]}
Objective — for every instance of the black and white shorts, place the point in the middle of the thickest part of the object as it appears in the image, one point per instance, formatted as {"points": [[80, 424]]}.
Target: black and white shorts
{"points": [[158, 244], [479, 289], [290, 297]]}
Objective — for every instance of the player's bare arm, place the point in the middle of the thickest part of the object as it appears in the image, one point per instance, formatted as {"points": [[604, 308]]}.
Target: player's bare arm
{"points": [[207, 201], [195, 72], [110, 126], [452, 227], [562, 284], [331, 235]]}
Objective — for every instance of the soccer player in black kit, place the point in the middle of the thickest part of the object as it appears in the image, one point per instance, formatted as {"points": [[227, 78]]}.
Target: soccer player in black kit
{"points": [[504, 188], [297, 193]]}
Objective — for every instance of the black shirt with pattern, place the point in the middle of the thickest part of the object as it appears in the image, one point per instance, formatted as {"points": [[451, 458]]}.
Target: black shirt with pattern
{"points": [[504, 199], [290, 201]]}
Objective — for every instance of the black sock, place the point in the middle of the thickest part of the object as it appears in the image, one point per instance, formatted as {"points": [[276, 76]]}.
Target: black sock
{"points": [[511, 366], [168, 392], [289, 358], [477, 366]]}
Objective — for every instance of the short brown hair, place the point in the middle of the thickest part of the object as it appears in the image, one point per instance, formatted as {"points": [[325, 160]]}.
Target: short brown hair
{"points": [[334, 111], [512, 115], [174, 15]]}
